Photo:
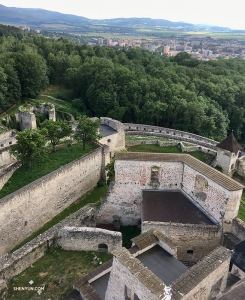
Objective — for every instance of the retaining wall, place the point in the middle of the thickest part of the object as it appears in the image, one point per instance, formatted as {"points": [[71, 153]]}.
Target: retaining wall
{"points": [[26, 210], [16, 262], [88, 239]]}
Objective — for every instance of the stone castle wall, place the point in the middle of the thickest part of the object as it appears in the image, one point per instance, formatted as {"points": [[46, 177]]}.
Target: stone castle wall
{"points": [[152, 142], [140, 129], [27, 120], [238, 228], [16, 262], [129, 276], [26, 210], [88, 239], [132, 176], [115, 141], [215, 199], [125, 194], [5, 157], [199, 238], [227, 161]]}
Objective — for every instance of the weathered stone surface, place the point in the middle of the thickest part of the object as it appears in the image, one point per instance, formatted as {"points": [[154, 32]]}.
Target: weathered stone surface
{"points": [[199, 238], [26, 210], [205, 279], [128, 273], [16, 262], [88, 239], [115, 141], [140, 129]]}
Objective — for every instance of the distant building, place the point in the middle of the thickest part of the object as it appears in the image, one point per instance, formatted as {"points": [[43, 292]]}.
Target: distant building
{"points": [[166, 49]]}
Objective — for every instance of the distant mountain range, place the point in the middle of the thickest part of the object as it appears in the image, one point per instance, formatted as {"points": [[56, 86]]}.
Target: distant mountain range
{"points": [[40, 17]]}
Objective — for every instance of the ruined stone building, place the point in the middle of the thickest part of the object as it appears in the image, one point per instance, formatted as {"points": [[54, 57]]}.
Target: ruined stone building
{"points": [[184, 207]]}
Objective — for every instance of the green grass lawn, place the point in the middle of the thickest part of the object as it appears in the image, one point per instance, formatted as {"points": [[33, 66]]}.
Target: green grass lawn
{"points": [[57, 271], [154, 148], [170, 149], [53, 161]]}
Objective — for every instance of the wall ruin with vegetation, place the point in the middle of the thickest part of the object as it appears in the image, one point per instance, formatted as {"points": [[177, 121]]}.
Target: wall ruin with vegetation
{"points": [[26, 210]]}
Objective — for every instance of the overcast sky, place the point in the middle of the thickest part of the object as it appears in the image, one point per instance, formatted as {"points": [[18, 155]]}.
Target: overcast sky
{"points": [[213, 12]]}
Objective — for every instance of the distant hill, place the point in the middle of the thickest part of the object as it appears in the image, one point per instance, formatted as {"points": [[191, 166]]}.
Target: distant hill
{"points": [[39, 17]]}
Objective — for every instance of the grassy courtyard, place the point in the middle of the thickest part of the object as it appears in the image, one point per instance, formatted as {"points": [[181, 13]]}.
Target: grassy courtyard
{"points": [[55, 273]]}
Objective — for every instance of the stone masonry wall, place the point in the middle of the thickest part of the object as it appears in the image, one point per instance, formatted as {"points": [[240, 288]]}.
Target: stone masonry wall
{"points": [[115, 141], [212, 197], [152, 142], [196, 148], [206, 279], [26, 210], [226, 160], [88, 239], [27, 120], [238, 228], [16, 262], [131, 177], [7, 172], [170, 133], [124, 282], [199, 238], [5, 157]]}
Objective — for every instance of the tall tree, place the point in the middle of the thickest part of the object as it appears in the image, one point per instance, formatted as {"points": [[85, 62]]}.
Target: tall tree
{"points": [[87, 130], [56, 131], [30, 144]]}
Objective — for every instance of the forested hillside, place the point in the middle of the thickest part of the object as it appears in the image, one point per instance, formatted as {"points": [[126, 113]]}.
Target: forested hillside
{"points": [[133, 85]]}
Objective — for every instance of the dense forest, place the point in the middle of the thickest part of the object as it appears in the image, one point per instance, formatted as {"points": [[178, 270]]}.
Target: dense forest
{"points": [[134, 85]]}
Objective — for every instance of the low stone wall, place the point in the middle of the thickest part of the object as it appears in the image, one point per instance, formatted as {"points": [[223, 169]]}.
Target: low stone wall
{"points": [[7, 172], [152, 142], [26, 210], [16, 262], [88, 239], [199, 238], [238, 228], [140, 129], [197, 148]]}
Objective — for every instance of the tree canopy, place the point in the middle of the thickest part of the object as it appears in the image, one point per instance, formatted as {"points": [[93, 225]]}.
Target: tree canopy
{"points": [[130, 85], [30, 144], [87, 130], [56, 131]]}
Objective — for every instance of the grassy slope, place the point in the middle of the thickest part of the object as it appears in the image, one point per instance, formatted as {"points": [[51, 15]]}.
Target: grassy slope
{"points": [[25, 175]]}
